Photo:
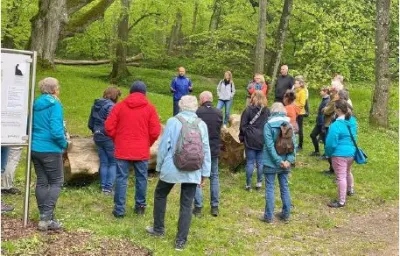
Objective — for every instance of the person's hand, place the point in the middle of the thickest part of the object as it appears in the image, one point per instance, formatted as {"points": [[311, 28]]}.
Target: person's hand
{"points": [[203, 181], [190, 89], [283, 164], [287, 164]]}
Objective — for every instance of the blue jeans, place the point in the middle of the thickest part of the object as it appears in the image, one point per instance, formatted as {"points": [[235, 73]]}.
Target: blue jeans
{"points": [[253, 156], [4, 158], [176, 107], [270, 196], [228, 106], [214, 187], [108, 164], [121, 184]]}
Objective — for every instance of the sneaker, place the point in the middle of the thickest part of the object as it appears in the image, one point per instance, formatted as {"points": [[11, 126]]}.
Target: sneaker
{"points": [[6, 208], [284, 219], [315, 153], [180, 245], [323, 157], [150, 231], [350, 192], [45, 225], [118, 216], [335, 204], [258, 186], [263, 219], [12, 191], [197, 212], [140, 210], [214, 211], [328, 172], [224, 126], [248, 188], [107, 192]]}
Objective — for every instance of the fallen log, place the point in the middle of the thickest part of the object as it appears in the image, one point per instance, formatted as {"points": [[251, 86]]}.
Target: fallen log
{"points": [[138, 57]]}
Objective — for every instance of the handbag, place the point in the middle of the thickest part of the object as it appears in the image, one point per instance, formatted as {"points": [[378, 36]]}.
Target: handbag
{"points": [[360, 157]]}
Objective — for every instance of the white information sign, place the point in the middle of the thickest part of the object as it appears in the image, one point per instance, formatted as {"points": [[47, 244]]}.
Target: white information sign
{"points": [[15, 73]]}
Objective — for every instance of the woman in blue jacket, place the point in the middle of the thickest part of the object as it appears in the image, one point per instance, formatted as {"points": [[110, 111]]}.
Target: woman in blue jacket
{"points": [[48, 144], [340, 147], [276, 164], [105, 146]]}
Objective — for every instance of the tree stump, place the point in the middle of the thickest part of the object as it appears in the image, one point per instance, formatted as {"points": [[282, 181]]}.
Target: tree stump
{"points": [[232, 151]]}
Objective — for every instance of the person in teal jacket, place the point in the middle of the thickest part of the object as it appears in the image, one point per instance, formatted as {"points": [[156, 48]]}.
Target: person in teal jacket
{"points": [[48, 144], [276, 165], [170, 174], [340, 147]]}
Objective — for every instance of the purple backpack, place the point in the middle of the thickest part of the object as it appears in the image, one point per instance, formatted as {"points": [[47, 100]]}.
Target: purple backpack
{"points": [[189, 154]]}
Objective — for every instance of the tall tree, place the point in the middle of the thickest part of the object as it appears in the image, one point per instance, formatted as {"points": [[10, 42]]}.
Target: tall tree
{"points": [[175, 32], [216, 15], [195, 13], [260, 47], [379, 108], [52, 23], [120, 69], [280, 40]]}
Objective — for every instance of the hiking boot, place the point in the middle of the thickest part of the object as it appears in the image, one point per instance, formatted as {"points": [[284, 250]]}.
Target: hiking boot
{"points": [[45, 225], [328, 172], [258, 186], [180, 245], [6, 208], [140, 210], [283, 218], [263, 219], [335, 204], [350, 192], [197, 212], [11, 191], [214, 211], [150, 231], [315, 153], [118, 216], [248, 188]]}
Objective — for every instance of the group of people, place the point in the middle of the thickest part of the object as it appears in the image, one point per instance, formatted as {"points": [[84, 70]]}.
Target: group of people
{"points": [[190, 144]]}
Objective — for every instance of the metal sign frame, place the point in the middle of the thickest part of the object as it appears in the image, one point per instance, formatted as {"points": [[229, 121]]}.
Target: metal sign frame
{"points": [[33, 55]]}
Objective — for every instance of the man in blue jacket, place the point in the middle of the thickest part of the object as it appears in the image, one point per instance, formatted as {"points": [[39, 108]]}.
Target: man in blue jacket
{"points": [[180, 86]]}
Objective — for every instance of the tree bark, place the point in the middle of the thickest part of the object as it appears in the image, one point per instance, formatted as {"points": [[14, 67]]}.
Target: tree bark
{"points": [[46, 28], [175, 32], [216, 15], [379, 108], [97, 62], [120, 68], [280, 41], [195, 13], [260, 47]]}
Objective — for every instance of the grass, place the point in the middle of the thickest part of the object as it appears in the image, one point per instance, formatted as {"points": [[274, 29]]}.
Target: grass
{"points": [[237, 230]]}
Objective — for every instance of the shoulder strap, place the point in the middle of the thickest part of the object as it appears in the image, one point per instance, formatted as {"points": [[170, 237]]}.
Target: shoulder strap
{"points": [[256, 116], [352, 138]]}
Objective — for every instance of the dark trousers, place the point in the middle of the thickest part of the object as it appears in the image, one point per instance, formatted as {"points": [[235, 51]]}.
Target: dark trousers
{"points": [[329, 159], [299, 120], [176, 107], [188, 190], [50, 177], [318, 130]]}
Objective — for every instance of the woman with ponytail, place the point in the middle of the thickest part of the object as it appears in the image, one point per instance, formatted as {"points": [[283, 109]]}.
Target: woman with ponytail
{"points": [[340, 147]]}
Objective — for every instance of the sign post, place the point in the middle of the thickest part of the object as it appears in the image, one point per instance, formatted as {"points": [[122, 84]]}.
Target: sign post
{"points": [[18, 76]]}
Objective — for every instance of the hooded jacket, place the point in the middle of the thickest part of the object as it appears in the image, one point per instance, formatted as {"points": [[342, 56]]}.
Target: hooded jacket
{"points": [[271, 159], [134, 126], [48, 134], [338, 141], [98, 115], [225, 91]]}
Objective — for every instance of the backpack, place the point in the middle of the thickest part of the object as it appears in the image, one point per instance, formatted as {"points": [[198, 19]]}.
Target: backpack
{"points": [[284, 143], [189, 154]]}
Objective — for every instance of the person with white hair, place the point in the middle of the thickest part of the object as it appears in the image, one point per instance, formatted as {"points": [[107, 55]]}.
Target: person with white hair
{"points": [[276, 164], [48, 145], [168, 160]]}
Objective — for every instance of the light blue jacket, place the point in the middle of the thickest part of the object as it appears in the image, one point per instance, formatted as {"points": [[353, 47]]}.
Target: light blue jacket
{"points": [[271, 159], [48, 133], [165, 163], [338, 141]]}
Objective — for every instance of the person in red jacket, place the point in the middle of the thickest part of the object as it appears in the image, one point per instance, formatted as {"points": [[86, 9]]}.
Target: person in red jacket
{"points": [[134, 126], [258, 84]]}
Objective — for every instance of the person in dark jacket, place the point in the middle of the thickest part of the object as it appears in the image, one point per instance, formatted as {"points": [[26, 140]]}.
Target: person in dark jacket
{"points": [[213, 118], [134, 126], [283, 83], [180, 86], [319, 128], [48, 145], [251, 128], [105, 146]]}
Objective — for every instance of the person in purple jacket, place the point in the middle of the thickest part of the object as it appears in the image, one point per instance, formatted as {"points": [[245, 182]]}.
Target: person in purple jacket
{"points": [[180, 86]]}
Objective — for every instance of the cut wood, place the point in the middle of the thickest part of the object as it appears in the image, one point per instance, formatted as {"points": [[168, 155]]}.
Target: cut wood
{"points": [[97, 62], [232, 151]]}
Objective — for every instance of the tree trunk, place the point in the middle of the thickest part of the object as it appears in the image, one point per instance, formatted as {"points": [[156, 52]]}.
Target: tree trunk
{"points": [[216, 15], [46, 27], [120, 68], [175, 32], [260, 47], [379, 108], [195, 12], [280, 41]]}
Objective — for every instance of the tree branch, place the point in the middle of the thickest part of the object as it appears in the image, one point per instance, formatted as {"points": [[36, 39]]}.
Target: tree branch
{"points": [[75, 5], [141, 18], [78, 25]]}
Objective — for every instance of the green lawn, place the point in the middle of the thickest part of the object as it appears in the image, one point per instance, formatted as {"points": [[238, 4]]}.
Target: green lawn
{"points": [[237, 230]]}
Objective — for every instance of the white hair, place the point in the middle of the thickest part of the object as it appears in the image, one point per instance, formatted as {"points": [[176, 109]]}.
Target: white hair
{"points": [[278, 107], [337, 85], [205, 96], [48, 85], [188, 103]]}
